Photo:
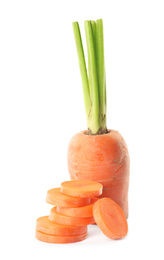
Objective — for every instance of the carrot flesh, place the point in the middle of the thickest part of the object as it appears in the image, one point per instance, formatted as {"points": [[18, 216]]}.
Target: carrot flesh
{"points": [[55, 197], [81, 188], [85, 211], [59, 239], [44, 225], [68, 220], [110, 218]]}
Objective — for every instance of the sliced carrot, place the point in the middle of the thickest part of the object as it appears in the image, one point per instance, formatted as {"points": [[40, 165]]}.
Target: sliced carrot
{"points": [[43, 224], [81, 188], [55, 197], [59, 239], [110, 218], [67, 220], [85, 211]]}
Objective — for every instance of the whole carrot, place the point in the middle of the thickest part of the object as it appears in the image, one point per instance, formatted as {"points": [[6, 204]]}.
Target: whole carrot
{"points": [[98, 154]]}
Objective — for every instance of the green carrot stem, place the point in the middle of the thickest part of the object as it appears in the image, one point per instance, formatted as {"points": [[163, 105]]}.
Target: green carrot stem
{"points": [[82, 65], [101, 67], [94, 123], [94, 83]]}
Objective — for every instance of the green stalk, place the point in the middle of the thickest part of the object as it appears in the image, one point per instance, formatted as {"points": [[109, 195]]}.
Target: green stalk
{"points": [[82, 65], [94, 85], [93, 119], [101, 70]]}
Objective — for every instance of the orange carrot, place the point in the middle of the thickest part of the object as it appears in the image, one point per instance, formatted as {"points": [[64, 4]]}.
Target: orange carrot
{"points": [[94, 199], [59, 239], [67, 220], [98, 154], [85, 211], [55, 197], [44, 225], [110, 218], [81, 188], [103, 158]]}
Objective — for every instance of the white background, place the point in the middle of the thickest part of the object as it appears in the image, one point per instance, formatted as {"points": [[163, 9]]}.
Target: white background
{"points": [[41, 108]]}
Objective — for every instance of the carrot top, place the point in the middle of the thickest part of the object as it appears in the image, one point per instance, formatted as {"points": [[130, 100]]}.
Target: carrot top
{"points": [[93, 80]]}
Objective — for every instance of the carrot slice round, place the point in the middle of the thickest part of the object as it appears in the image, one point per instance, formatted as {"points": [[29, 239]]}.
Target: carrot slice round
{"points": [[110, 218], [44, 225], [67, 220], [85, 211], [59, 239], [81, 188], [55, 197]]}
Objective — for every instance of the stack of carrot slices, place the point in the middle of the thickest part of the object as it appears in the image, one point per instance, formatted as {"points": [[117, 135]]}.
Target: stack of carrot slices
{"points": [[76, 205]]}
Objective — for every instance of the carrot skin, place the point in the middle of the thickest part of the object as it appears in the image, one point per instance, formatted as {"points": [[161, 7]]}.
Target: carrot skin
{"points": [[103, 158]]}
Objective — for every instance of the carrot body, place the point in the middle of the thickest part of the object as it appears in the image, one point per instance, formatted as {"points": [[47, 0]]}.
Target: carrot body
{"points": [[103, 158], [44, 225], [67, 220], [81, 188], [55, 197], [110, 218], [85, 211], [59, 239]]}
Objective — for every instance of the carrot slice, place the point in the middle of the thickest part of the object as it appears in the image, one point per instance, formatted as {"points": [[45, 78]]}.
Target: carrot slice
{"points": [[43, 224], [55, 197], [110, 218], [67, 220], [85, 211], [81, 188], [59, 239]]}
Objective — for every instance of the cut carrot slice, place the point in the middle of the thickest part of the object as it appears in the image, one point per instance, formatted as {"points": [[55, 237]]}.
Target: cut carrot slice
{"points": [[110, 218], [55, 197], [44, 225], [59, 239], [81, 188], [85, 211], [67, 220]]}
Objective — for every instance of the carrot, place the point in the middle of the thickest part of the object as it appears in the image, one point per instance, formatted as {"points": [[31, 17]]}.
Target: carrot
{"points": [[67, 220], [55, 197], [44, 225], [81, 188], [94, 199], [117, 191], [85, 211], [99, 153], [59, 239], [110, 218]]}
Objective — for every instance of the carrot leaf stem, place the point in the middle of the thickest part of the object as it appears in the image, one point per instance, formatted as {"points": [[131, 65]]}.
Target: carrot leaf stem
{"points": [[93, 80], [82, 65]]}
